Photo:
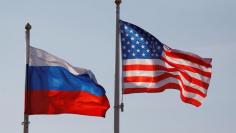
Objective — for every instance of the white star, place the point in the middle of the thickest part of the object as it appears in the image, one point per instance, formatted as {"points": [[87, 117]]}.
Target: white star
{"points": [[143, 54], [148, 50], [136, 35], [128, 51], [127, 34], [141, 39], [128, 42], [133, 46], [131, 31], [124, 47], [133, 54], [137, 42], [138, 50], [123, 39], [124, 55], [142, 46], [126, 27], [146, 42], [132, 38]]}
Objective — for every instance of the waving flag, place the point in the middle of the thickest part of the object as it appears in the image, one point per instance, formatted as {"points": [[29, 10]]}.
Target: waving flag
{"points": [[151, 66], [56, 87]]}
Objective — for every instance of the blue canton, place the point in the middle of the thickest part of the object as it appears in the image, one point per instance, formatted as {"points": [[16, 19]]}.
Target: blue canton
{"points": [[136, 43]]}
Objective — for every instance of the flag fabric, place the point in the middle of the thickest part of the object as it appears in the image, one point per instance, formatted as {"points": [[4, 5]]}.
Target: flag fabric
{"points": [[55, 87], [151, 66]]}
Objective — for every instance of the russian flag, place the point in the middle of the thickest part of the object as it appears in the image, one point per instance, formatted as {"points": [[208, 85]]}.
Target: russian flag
{"points": [[56, 87]]}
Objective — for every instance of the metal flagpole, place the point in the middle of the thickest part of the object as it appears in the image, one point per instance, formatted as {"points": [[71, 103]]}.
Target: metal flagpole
{"points": [[117, 72], [26, 116]]}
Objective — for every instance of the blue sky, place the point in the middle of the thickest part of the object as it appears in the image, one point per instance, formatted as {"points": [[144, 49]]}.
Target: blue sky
{"points": [[83, 33]]}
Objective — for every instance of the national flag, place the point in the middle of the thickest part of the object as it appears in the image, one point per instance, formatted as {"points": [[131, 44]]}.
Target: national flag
{"points": [[55, 87], [151, 66]]}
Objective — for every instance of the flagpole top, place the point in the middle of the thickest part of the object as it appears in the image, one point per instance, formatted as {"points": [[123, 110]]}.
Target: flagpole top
{"points": [[117, 2], [28, 27]]}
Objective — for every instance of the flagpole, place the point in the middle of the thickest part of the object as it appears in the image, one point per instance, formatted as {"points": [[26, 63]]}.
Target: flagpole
{"points": [[26, 116], [117, 72]]}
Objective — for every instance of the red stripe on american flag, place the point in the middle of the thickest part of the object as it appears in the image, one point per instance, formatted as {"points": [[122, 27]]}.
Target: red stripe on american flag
{"points": [[189, 68], [188, 57], [161, 89], [158, 67], [160, 78]]}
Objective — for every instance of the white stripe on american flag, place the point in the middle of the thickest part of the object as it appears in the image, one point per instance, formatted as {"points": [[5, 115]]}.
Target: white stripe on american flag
{"points": [[153, 73], [157, 73], [192, 74], [161, 84], [179, 61], [207, 60]]}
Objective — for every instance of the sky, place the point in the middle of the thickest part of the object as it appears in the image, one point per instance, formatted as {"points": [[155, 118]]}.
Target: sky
{"points": [[83, 33]]}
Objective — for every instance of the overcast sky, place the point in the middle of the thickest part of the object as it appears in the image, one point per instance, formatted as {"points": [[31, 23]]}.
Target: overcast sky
{"points": [[83, 33]]}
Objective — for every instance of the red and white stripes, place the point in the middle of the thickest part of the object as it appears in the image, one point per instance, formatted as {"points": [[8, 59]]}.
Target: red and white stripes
{"points": [[175, 69]]}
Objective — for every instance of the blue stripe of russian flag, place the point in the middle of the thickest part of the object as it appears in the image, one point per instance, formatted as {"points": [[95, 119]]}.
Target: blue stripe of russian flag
{"points": [[59, 78]]}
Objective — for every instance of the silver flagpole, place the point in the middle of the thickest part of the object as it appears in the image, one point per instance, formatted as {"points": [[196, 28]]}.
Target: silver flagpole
{"points": [[117, 72], [26, 116]]}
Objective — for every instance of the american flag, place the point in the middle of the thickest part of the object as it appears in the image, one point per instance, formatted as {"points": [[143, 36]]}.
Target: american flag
{"points": [[151, 66]]}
